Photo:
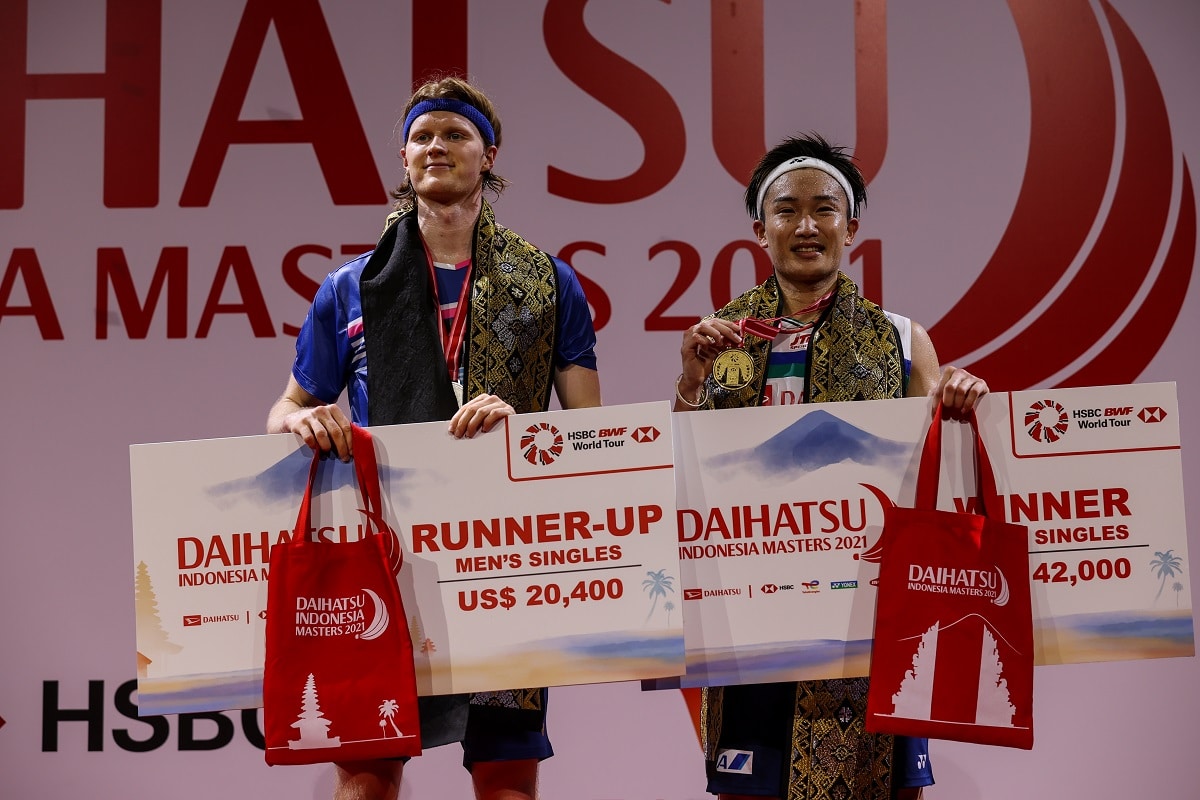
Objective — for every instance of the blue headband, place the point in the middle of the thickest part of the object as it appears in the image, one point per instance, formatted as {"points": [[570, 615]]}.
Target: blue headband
{"points": [[458, 107]]}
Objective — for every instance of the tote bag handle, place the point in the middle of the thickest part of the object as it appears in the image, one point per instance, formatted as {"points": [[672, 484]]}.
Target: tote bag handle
{"points": [[366, 470], [931, 466]]}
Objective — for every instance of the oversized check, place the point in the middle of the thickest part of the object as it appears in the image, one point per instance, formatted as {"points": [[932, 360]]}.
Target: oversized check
{"points": [[776, 506], [539, 554]]}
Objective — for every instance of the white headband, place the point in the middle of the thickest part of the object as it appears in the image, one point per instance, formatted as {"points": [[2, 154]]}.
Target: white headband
{"points": [[804, 162]]}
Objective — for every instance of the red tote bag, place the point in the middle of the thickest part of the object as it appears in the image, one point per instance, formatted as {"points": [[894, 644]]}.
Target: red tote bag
{"points": [[338, 683], [953, 650]]}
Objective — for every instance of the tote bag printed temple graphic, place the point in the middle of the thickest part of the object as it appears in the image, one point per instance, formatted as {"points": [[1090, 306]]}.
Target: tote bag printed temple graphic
{"points": [[339, 683], [953, 650]]}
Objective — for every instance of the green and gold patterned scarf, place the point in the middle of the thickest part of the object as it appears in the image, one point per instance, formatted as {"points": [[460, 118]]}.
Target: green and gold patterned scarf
{"points": [[510, 334], [854, 354], [509, 349]]}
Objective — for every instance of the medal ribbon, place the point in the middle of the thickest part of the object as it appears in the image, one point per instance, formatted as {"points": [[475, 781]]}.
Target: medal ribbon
{"points": [[451, 342], [766, 329]]}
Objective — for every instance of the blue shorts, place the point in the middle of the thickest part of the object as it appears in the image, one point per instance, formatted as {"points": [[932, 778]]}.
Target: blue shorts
{"points": [[490, 733], [496, 733], [753, 756]]}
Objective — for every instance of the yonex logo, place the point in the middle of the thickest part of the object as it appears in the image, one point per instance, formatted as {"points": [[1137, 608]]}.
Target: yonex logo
{"points": [[737, 761], [646, 433], [1152, 414]]}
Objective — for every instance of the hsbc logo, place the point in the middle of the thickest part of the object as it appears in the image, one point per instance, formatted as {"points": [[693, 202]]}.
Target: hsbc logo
{"points": [[771, 588], [1152, 414], [646, 433]]}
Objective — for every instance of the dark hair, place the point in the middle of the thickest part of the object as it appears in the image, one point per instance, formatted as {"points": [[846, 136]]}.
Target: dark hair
{"points": [[814, 146], [455, 88]]}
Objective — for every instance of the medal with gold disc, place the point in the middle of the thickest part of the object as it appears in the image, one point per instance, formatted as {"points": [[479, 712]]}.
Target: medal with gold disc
{"points": [[733, 369]]}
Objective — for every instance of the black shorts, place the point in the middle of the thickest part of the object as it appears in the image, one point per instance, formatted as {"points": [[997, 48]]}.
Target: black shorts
{"points": [[754, 754]]}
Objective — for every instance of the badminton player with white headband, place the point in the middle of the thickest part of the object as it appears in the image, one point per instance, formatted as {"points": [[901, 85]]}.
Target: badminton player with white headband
{"points": [[806, 335], [451, 317]]}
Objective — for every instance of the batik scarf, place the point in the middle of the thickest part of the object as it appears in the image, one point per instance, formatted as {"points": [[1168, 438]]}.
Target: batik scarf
{"points": [[511, 327], [854, 354], [509, 347]]}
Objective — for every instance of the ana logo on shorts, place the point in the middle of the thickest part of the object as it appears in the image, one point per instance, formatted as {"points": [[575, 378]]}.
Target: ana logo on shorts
{"points": [[1046, 421], [541, 443]]}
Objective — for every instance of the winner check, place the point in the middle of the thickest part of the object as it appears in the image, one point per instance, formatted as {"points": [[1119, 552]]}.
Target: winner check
{"points": [[541, 553], [776, 506]]}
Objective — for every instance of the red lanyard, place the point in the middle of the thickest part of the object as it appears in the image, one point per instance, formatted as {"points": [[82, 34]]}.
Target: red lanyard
{"points": [[764, 329], [452, 342]]}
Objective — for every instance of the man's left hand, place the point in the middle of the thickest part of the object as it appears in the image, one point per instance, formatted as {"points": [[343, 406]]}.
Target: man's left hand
{"points": [[482, 413], [959, 392]]}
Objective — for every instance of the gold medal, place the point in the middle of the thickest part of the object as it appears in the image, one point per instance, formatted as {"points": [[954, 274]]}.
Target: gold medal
{"points": [[733, 369]]}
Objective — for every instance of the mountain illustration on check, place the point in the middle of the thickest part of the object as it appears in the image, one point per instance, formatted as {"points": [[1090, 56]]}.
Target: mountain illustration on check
{"points": [[816, 440], [278, 483]]}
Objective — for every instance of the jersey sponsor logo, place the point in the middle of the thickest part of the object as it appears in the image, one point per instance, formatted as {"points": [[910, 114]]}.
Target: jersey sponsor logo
{"points": [[740, 762]]}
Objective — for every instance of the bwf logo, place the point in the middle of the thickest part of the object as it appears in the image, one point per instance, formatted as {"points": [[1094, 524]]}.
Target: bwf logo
{"points": [[541, 444], [737, 761]]}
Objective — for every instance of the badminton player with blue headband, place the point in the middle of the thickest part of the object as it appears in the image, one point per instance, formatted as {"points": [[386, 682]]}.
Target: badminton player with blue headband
{"points": [[806, 335], [420, 329]]}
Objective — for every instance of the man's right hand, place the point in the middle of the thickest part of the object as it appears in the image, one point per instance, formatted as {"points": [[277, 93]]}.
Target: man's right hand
{"points": [[702, 343], [323, 428]]}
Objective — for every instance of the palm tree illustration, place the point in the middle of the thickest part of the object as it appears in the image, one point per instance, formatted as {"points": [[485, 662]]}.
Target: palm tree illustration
{"points": [[1165, 565], [1178, 587], [428, 647], [668, 607], [657, 584], [387, 710]]}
